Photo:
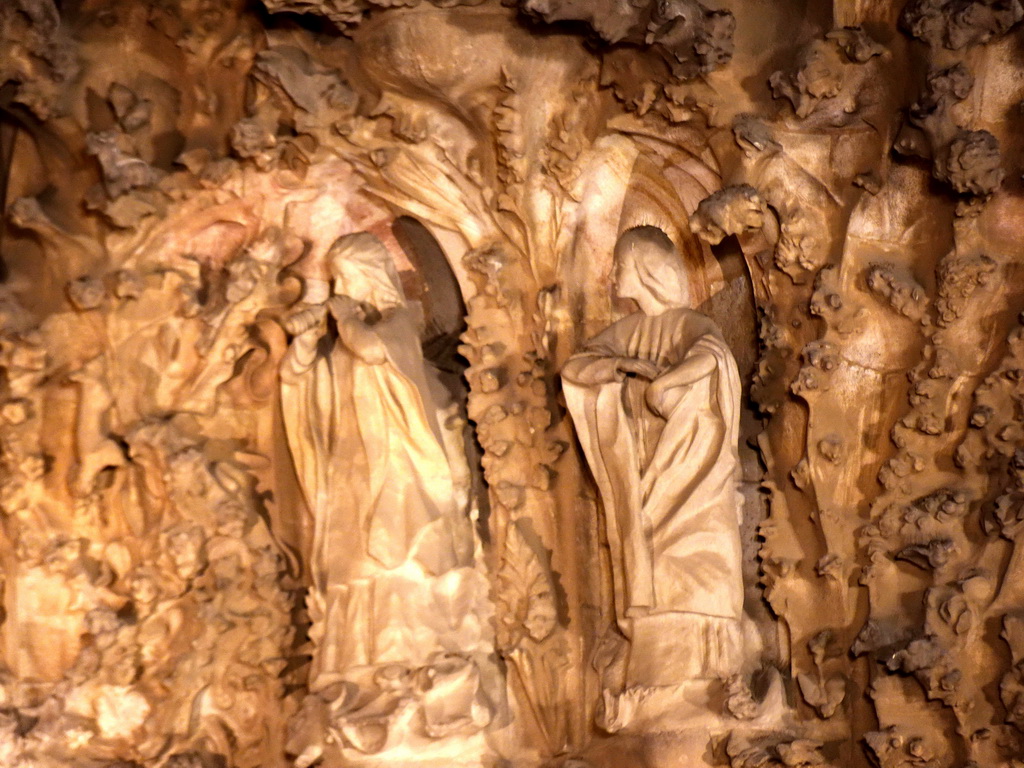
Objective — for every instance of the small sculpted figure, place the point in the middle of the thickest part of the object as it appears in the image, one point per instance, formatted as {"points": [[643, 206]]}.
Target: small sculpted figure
{"points": [[363, 430], [655, 401]]}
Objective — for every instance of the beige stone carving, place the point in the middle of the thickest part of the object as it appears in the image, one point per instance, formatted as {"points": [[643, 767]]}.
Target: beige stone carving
{"points": [[306, 311], [655, 400], [395, 600]]}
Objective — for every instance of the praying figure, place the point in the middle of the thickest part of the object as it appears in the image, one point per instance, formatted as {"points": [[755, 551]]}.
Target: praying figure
{"points": [[655, 401], [365, 434]]}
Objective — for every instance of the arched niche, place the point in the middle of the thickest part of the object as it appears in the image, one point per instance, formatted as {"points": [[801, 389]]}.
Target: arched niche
{"points": [[433, 283]]}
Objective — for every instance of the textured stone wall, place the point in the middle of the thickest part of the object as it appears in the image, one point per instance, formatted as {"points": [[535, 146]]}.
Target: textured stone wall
{"points": [[845, 175]]}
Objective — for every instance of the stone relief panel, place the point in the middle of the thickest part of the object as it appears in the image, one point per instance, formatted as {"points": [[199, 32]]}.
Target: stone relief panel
{"points": [[540, 383]]}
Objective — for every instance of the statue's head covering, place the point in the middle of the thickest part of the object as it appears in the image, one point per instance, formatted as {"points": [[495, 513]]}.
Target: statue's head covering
{"points": [[363, 269], [659, 268]]}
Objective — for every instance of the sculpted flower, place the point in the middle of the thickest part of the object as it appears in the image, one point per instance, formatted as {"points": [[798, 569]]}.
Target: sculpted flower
{"points": [[972, 163], [86, 293], [250, 138], [733, 210]]}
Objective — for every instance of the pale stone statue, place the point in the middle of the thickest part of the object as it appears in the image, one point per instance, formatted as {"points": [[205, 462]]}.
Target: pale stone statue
{"points": [[655, 401], [392, 546], [364, 434]]}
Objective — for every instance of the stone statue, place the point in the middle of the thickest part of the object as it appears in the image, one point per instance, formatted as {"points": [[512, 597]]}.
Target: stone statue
{"points": [[396, 601], [655, 401], [363, 427]]}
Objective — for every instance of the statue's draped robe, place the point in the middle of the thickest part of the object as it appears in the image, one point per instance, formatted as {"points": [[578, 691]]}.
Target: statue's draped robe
{"points": [[670, 495], [365, 443]]}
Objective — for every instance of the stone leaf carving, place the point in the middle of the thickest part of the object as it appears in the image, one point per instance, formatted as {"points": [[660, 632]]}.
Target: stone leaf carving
{"points": [[957, 24]]}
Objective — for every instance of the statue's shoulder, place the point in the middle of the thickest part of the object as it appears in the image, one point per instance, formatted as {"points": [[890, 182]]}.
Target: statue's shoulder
{"points": [[615, 335], [697, 324]]}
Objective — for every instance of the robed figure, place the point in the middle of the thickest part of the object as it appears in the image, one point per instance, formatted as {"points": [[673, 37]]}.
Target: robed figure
{"points": [[362, 426], [655, 401]]}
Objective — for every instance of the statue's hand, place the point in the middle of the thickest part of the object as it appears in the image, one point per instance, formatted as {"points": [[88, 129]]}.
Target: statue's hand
{"points": [[589, 370], [665, 391], [656, 399], [344, 307], [360, 339], [304, 319], [645, 369]]}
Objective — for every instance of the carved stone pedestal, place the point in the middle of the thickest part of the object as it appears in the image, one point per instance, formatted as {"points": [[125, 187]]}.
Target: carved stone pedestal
{"points": [[667, 725]]}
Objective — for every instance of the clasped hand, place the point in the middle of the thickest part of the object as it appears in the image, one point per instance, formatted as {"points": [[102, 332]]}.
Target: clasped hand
{"points": [[664, 387], [353, 330], [617, 368], [645, 369], [656, 394], [602, 370]]}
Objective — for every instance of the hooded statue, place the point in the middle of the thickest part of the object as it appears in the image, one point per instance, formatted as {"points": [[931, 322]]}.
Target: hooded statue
{"points": [[363, 431], [655, 401]]}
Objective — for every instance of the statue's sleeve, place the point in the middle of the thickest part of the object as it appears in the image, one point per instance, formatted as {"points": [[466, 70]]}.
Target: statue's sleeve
{"points": [[610, 448], [301, 355]]}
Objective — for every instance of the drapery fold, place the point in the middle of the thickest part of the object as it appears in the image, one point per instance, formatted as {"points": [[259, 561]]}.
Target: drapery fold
{"points": [[668, 482]]}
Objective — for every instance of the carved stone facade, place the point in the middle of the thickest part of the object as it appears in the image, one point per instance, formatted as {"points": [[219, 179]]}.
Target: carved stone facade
{"points": [[564, 383]]}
